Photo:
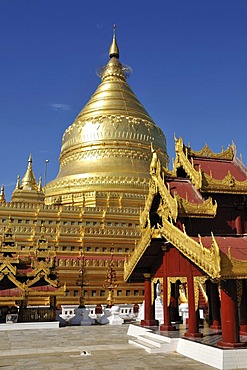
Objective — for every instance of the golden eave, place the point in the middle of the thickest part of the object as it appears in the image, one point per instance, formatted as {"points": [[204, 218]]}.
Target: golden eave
{"points": [[172, 206], [206, 152], [206, 209], [144, 215], [228, 185], [202, 181], [138, 252], [232, 268], [182, 160], [207, 259]]}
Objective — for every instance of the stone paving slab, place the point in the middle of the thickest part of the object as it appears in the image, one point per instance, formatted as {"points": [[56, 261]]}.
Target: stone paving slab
{"points": [[105, 347]]}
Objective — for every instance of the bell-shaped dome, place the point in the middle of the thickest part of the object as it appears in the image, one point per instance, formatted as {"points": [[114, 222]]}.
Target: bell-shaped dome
{"points": [[107, 148]]}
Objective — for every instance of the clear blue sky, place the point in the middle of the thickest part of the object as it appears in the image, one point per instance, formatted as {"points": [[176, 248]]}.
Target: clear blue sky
{"points": [[189, 61]]}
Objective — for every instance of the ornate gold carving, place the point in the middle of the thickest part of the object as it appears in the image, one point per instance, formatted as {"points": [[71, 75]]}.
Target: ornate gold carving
{"points": [[138, 252], [232, 268], [107, 127], [169, 206], [206, 209], [208, 259], [183, 160], [227, 185], [206, 152], [198, 286], [102, 180], [144, 215], [239, 286], [104, 153], [168, 200]]}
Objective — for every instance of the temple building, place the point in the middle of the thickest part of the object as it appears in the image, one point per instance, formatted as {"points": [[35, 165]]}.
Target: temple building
{"points": [[194, 235], [116, 220]]}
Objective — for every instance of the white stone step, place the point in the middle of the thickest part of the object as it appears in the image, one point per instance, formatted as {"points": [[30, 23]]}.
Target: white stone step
{"points": [[150, 348], [157, 337], [154, 344], [157, 342]]}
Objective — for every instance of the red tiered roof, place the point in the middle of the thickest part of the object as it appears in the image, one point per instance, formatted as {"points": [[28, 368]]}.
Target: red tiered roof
{"points": [[219, 168], [185, 189], [237, 245], [14, 292]]}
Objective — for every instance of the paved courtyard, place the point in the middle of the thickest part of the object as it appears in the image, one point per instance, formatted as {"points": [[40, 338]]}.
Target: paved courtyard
{"points": [[86, 347]]}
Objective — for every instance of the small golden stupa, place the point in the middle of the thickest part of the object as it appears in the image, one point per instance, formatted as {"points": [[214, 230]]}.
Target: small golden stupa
{"points": [[107, 148]]}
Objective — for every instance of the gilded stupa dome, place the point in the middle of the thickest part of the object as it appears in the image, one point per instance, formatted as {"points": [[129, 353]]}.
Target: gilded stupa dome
{"points": [[108, 146]]}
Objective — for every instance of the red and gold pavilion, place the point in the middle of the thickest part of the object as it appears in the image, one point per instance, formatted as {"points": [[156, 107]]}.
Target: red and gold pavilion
{"points": [[194, 233]]}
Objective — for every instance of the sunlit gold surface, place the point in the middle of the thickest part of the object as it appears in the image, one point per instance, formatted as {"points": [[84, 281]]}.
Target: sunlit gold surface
{"points": [[107, 148], [28, 189]]}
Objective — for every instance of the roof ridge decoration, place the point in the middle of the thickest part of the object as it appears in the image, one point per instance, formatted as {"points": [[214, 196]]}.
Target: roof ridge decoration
{"points": [[206, 152], [232, 268], [207, 259], [6, 266], [144, 215], [206, 209], [168, 199], [2, 195], [174, 204], [8, 243], [11, 276], [228, 185], [142, 245], [239, 162], [182, 160]]}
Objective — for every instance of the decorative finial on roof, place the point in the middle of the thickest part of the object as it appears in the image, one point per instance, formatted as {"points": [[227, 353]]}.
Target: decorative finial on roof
{"points": [[2, 195], [114, 51], [40, 184], [29, 181], [18, 182]]}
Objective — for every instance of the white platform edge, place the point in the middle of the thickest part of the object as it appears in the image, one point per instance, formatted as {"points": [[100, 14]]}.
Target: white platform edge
{"points": [[223, 359], [29, 325]]}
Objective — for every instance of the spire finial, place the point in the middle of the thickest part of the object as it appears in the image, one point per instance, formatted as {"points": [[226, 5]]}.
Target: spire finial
{"points": [[114, 51], [18, 182], [2, 195], [29, 181]]}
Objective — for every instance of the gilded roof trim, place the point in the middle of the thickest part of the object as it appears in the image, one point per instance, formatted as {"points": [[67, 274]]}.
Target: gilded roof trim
{"points": [[144, 215], [169, 202], [228, 185], [206, 209], [183, 161], [206, 152], [207, 259], [138, 252], [231, 268]]}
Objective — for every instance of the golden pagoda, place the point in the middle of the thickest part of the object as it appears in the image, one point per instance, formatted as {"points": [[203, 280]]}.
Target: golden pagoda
{"points": [[106, 152], [92, 208]]}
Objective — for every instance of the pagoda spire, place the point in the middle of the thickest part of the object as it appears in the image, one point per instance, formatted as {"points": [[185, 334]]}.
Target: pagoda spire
{"points": [[114, 51], [18, 183], [2, 195], [29, 181], [40, 184]]}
